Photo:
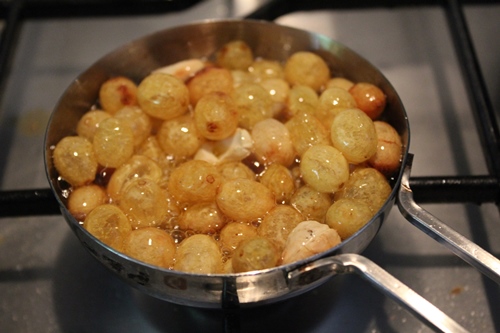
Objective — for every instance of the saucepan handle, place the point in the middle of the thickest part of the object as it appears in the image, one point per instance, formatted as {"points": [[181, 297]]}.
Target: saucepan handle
{"points": [[382, 280], [432, 226]]}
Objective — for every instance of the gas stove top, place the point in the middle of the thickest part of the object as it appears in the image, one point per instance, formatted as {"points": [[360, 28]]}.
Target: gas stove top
{"points": [[49, 283]]}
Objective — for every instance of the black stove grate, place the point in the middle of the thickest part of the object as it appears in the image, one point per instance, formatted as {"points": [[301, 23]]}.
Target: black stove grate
{"points": [[435, 189]]}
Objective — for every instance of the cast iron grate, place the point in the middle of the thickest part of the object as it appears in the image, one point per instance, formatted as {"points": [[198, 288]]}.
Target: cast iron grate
{"points": [[434, 189]]}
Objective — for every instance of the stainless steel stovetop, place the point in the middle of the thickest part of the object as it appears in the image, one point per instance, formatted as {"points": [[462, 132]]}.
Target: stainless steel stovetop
{"points": [[48, 283]]}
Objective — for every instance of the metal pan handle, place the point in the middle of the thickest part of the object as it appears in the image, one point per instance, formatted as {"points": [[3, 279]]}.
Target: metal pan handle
{"points": [[432, 226], [382, 280]]}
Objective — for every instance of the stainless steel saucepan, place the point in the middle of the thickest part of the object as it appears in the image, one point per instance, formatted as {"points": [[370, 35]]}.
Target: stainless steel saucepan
{"points": [[198, 40]]}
